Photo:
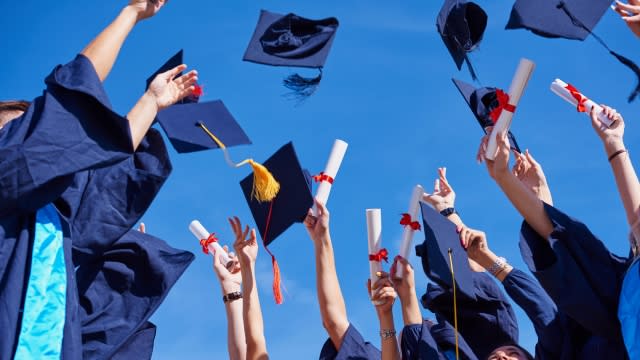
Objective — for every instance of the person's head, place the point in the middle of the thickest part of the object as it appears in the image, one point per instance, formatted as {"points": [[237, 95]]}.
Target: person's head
{"points": [[10, 110], [510, 351]]}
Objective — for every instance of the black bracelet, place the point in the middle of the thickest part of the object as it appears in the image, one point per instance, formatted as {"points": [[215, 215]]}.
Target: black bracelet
{"points": [[616, 154], [448, 211], [232, 296]]}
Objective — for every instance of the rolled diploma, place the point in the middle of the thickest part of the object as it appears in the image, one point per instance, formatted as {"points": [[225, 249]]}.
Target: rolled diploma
{"points": [[331, 170], [374, 235], [407, 232], [201, 233], [518, 84], [559, 87]]}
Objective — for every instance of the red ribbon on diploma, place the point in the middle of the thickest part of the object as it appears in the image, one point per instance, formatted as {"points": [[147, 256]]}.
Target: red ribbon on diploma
{"points": [[205, 242], [578, 96], [503, 104], [382, 254], [322, 177], [406, 221]]}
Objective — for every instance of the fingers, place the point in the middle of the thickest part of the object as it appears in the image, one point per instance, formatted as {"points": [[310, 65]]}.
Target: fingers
{"points": [[633, 9], [322, 210], [174, 72], [482, 149], [310, 220], [142, 228]]}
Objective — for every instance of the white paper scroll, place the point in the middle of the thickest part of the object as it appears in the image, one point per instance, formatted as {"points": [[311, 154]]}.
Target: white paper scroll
{"points": [[374, 234], [330, 171], [559, 87], [518, 84], [407, 232], [201, 233]]}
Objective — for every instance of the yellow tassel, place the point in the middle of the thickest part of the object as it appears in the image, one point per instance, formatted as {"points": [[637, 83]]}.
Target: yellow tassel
{"points": [[265, 186]]}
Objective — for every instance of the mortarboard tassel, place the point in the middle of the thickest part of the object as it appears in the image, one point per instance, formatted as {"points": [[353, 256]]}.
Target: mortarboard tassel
{"points": [[474, 76], [277, 292], [622, 59], [455, 302], [265, 186], [302, 87]]}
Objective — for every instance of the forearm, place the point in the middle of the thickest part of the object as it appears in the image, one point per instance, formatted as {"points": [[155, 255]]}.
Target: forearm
{"points": [[389, 345], [456, 219], [411, 314], [104, 49], [236, 342], [488, 259], [527, 203], [332, 307], [141, 117], [626, 179], [253, 323]]}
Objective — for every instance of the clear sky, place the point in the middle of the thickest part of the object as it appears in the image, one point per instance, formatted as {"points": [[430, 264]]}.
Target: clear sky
{"points": [[387, 91]]}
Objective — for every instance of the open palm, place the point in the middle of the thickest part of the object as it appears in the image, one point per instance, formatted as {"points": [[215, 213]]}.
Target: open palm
{"points": [[167, 91]]}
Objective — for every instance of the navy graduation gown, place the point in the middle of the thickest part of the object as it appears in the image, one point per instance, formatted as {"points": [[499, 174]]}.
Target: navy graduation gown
{"points": [[69, 129], [432, 342], [578, 272], [353, 347], [486, 322]]}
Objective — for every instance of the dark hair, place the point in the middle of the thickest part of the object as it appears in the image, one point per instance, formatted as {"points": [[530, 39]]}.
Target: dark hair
{"points": [[14, 105], [526, 353]]}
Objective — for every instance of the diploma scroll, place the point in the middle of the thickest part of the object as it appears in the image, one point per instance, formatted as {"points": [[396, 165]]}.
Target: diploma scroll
{"points": [[330, 172], [408, 231], [518, 84], [571, 95], [201, 233], [374, 234]]}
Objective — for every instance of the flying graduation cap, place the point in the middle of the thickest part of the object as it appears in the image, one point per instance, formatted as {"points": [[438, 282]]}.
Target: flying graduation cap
{"points": [[174, 61], [461, 25], [569, 19], [482, 102], [290, 206], [441, 245], [209, 125], [291, 40]]}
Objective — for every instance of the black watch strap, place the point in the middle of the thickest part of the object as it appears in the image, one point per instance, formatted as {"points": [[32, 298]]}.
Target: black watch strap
{"points": [[232, 296], [448, 211]]}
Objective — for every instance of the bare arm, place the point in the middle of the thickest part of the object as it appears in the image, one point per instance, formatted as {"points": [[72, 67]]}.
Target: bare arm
{"points": [[383, 297], [623, 171], [332, 308], [231, 282], [104, 49], [247, 249], [163, 91], [406, 288]]}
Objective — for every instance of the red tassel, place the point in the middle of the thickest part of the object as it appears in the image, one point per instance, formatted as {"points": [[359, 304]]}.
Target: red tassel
{"points": [[277, 292], [197, 92]]}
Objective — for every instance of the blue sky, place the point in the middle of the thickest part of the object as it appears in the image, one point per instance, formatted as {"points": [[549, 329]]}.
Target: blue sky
{"points": [[387, 91]]}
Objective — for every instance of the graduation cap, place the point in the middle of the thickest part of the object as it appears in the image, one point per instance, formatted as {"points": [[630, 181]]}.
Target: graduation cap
{"points": [[288, 207], [482, 102], [441, 245], [291, 40], [174, 61], [569, 19], [209, 125], [461, 25]]}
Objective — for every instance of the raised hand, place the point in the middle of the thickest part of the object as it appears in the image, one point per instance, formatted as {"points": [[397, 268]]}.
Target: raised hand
{"points": [[146, 8], [499, 167], [630, 13], [246, 245], [530, 173], [166, 90], [383, 295], [406, 285], [317, 226], [443, 196], [610, 136], [475, 242], [230, 279]]}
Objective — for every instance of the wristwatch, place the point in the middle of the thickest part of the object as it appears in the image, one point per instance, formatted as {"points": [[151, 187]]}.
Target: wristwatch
{"points": [[232, 296], [448, 211], [387, 333]]}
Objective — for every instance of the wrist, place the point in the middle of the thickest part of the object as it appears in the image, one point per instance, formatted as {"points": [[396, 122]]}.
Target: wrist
{"points": [[149, 98], [230, 287], [612, 145], [132, 12]]}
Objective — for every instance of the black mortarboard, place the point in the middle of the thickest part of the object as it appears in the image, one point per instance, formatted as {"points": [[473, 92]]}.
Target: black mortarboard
{"points": [[293, 200], [174, 61], [482, 101], [181, 123], [440, 237], [461, 25], [289, 206], [569, 19], [291, 40]]}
